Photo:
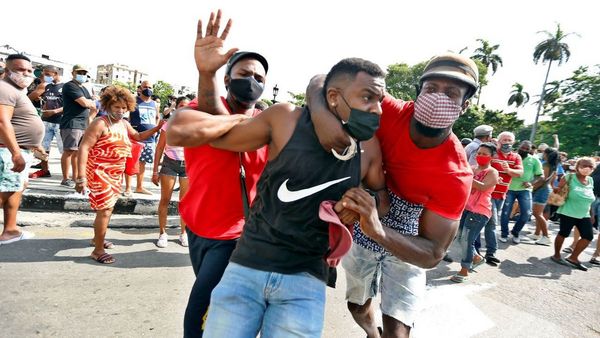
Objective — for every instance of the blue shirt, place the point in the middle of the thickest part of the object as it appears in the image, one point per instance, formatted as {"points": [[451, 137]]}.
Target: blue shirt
{"points": [[144, 117]]}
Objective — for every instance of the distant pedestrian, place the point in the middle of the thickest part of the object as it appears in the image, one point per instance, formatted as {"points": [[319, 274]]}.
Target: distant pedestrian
{"points": [[144, 117], [77, 109], [101, 162], [576, 212], [21, 130], [482, 134], [477, 211], [541, 191], [172, 169]]}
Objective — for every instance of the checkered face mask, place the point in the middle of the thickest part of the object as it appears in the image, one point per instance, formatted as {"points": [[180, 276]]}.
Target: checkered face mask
{"points": [[436, 110]]}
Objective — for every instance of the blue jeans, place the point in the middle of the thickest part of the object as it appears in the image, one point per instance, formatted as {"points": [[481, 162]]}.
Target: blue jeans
{"points": [[52, 130], [468, 230], [247, 301], [524, 198], [491, 243]]}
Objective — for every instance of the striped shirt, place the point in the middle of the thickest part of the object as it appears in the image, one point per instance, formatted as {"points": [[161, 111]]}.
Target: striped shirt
{"points": [[514, 162]]}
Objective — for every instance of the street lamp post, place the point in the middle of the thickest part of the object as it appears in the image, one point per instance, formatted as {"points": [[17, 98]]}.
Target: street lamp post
{"points": [[275, 92]]}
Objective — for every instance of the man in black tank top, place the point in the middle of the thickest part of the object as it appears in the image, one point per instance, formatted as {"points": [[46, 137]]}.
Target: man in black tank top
{"points": [[275, 282]]}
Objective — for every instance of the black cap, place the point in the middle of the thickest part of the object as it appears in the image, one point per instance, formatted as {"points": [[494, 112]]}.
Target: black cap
{"points": [[246, 55]]}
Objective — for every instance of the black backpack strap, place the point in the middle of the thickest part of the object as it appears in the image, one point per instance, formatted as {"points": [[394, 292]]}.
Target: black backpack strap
{"points": [[243, 188]]}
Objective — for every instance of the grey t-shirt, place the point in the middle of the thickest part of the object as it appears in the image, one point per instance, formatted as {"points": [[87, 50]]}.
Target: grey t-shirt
{"points": [[29, 129]]}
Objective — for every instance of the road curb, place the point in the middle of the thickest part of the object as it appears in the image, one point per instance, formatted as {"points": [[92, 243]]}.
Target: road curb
{"points": [[48, 202]]}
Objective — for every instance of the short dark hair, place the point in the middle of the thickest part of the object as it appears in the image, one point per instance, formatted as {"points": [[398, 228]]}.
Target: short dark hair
{"points": [[179, 99], [490, 146], [50, 68], [349, 68], [17, 57]]}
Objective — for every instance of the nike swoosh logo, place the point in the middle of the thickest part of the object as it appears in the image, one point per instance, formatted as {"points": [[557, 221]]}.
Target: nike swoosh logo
{"points": [[285, 195]]}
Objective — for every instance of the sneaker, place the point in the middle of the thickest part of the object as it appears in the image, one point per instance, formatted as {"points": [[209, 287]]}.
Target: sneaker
{"points": [[544, 240], [162, 240], [516, 240], [40, 173], [37, 166], [68, 183], [183, 239], [534, 237], [503, 239]]}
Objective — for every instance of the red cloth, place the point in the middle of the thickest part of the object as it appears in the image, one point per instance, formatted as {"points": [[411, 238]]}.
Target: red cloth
{"points": [[439, 178], [514, 162], [480, 202], [212, 207], [132, 163], [340, 235]]}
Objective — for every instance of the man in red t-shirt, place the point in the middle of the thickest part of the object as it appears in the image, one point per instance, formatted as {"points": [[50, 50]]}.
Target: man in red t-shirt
{"points": [[213, 207], [508, 164], [428, 180]]}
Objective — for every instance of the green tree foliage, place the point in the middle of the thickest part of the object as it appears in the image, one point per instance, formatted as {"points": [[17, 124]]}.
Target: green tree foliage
{"points": [[576, 113], [298, 99], [553, 48], [162, 90], [132, 88], [518, 96], [486, 54], [475, 116], [401, 80]]}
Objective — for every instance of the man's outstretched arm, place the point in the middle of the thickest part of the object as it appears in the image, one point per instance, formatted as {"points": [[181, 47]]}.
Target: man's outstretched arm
{"points": [[192, 128]]}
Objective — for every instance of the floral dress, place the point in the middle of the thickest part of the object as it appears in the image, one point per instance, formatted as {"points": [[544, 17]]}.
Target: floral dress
{"points": [[106, 164]]}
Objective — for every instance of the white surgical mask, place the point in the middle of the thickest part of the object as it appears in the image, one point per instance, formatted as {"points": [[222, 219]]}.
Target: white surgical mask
{"points": [[21, 80]]}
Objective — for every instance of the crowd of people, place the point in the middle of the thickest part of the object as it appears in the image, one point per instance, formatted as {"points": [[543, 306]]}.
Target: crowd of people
{"points": [[271, 202]]}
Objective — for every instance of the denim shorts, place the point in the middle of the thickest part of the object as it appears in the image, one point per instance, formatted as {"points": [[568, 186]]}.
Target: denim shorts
{"points": [[71, 138], [402, 285], [540, 196], [11, 181], [171, 167]]}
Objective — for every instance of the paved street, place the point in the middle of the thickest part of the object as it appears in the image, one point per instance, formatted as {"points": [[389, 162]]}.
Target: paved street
{"points": [[50, 287]]}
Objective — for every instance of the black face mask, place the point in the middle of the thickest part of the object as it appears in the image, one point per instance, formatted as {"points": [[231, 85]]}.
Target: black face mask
{"points": [[523, 154], [246, 90], [147, 92], [361, 124]]}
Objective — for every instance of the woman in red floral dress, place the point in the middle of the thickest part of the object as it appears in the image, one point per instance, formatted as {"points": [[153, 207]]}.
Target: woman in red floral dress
{"points": [[101, 160]]}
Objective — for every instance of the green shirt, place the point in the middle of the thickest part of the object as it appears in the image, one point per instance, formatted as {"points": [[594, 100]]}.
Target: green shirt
{"points": [[579, 199], [531, 167]]}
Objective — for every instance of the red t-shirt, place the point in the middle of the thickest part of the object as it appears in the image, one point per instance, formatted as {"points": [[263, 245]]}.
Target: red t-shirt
{"points": [[439, 178], [514, 162], [212, 207]]}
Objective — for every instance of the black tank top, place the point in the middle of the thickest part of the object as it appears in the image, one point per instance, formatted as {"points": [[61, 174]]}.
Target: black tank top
{"points": [[284, 233]]}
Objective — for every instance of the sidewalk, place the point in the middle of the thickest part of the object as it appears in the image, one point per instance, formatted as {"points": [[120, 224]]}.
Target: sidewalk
{"points": [[46, 194]]}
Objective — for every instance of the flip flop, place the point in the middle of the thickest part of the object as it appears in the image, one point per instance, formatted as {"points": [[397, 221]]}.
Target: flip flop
{"points": [[567, 250], [105, 258], [459, 278], [576, 265], [22, 236], [481, 261], [595, 261], [560, 261], [107, 244]]}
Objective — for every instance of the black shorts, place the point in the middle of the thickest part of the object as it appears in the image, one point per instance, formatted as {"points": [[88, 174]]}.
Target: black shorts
{"points": [[584, 225], [171, 167]]}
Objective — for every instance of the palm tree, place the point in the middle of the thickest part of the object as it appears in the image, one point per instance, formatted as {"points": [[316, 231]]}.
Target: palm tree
{"points": [[549, 50], [518, 97], [486, 54]]}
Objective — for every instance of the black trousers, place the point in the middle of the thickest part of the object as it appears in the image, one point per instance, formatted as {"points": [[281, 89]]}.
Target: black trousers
{"points": [[209, 259]]}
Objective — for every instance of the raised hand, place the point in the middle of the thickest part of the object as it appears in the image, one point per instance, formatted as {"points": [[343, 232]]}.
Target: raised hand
{"points": [[209, 53]]}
